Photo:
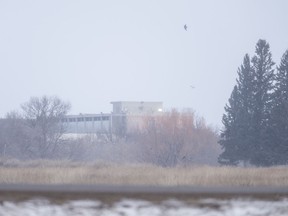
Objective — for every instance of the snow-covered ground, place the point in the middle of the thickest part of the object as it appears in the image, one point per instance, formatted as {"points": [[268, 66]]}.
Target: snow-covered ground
{"points": [[128, 207]]}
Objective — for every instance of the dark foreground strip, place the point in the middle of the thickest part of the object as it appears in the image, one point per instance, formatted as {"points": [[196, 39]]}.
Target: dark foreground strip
{"points": [[115, 192]]}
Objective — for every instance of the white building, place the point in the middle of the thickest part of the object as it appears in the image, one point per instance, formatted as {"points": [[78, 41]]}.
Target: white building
{"points": [[87, 123], [125, 117], [137, 108]]}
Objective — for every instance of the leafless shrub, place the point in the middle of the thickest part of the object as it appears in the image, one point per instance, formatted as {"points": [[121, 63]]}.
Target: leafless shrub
{"points": [[178, 138]]}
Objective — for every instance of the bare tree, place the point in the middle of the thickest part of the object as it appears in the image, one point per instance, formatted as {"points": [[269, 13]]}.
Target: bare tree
{"points": [[13, 139], [178, 138], [43, 119]]}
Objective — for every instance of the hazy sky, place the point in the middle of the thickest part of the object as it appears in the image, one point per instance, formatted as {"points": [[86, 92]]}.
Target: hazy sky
{"points": [[91, 52]]}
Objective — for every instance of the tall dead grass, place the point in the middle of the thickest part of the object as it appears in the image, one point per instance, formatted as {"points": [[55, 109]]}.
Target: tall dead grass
{"points": [[64, 172]]}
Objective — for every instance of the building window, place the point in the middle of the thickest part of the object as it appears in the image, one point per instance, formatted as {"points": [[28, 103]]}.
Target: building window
{"points": [[80, 119], [97, 119], [105, 118], [72, 119], [88, 118]]}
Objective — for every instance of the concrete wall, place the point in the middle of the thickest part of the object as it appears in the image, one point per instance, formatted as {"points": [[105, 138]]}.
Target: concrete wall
{"points": [[137, 108]]}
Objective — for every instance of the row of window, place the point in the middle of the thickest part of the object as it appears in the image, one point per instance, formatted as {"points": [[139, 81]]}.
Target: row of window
{"points": [[86, 119]]}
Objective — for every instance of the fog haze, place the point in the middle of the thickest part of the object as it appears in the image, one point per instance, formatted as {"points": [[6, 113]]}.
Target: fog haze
{"points": [[93, 52]]}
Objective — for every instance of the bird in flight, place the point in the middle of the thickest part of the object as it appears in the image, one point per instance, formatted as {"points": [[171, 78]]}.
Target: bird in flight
{"points": [[185, 27]]}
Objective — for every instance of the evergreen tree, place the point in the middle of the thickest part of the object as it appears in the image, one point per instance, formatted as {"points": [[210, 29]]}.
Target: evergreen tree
{"points": [[246, 87], [235, 139], [229, 138], [246, 135], [263, 87], [278, 130]]}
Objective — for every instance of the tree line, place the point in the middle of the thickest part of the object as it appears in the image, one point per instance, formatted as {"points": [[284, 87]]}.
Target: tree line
{"points": [[34, 132], [171, 139], [256, 115]]}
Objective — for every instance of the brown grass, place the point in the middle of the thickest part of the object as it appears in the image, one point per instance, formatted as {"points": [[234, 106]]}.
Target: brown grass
{"points": [[63, 172]]}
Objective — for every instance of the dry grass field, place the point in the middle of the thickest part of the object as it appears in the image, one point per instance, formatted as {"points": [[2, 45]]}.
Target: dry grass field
{"points": [[63, 172]]}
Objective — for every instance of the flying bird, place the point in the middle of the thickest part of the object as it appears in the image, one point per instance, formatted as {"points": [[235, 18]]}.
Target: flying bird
{"points": [[185, 27], [192, 86]]}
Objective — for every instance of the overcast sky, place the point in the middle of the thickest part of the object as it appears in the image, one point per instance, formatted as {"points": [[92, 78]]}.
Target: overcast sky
{"points": [[91, 52]]}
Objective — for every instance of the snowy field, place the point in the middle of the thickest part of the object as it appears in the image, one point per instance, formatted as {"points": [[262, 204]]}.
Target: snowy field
{"points": [[129, 207]]}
